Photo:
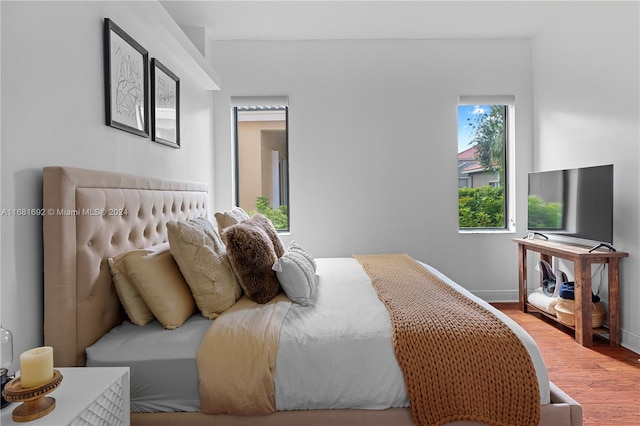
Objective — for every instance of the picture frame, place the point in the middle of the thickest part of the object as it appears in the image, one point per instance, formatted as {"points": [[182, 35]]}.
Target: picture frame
{"points": [[126, 78], [165, 105]]}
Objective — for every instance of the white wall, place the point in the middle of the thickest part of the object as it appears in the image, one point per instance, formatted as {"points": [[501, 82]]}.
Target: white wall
{"points": [[372, 134], [586, 76], [373, 144], [53, 114]]}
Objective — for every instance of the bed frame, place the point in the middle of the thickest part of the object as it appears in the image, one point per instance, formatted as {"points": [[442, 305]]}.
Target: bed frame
{"points": [[93, 215]]}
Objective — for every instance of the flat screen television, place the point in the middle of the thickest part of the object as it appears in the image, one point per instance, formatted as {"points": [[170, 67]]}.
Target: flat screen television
{"points": [[575, 203]]}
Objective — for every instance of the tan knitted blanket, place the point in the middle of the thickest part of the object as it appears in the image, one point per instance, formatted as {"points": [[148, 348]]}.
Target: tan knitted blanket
{"points": [[460, 362], [237, 358]]}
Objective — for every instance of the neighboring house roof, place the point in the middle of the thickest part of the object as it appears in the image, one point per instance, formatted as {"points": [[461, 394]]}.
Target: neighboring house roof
{"points": [[468, 163], [473, 168], [468, 154], [476, 168]]}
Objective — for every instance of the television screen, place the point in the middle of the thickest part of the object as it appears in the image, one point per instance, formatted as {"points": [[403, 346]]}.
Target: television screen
{"points": [[575, 203]]}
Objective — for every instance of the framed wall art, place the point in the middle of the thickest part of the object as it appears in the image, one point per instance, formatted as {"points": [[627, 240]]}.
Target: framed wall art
{"points": [[126, 70], [165, 105]]}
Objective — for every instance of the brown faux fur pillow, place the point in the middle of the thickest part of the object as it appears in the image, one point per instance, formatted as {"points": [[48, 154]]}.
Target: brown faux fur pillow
{"points": [[252, 255], [264, 223]]}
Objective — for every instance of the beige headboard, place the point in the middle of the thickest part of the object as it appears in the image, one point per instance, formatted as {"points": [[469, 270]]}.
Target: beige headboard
{"points": [[90, 216]]}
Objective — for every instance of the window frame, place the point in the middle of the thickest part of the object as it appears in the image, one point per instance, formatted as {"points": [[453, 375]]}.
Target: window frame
{"points": [[508, 102], [245, 103]]}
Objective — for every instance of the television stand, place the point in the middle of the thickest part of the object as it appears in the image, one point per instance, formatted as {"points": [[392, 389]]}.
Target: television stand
{"points": [[582, 258]]}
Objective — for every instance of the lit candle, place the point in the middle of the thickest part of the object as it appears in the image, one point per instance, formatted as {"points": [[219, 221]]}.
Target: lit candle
{"points": [[36, 367]]}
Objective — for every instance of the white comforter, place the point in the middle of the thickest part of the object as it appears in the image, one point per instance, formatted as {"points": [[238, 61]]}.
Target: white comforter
{"points": [[337, 353]]}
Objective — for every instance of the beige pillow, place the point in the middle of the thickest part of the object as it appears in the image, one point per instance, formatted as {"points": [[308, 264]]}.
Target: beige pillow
{"points": [[156, 276], [252, 256], [230, 217], [202, 258], [133, 304]]}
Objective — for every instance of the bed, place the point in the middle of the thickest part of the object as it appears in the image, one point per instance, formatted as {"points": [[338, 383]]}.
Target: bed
{"points": [[96, 215]]}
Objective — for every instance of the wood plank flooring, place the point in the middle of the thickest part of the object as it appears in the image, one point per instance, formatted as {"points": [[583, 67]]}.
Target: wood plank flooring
{"points": [[604, 380]]}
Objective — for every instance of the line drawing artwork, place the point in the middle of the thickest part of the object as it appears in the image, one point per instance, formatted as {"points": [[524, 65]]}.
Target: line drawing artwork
{"points": [[126, 81], [165, 94], [165, 107], [128, 77]]}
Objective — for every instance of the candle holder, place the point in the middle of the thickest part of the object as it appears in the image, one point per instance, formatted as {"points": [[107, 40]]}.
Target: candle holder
{"points": [[6, 356], [34, 402], [4, 379]]}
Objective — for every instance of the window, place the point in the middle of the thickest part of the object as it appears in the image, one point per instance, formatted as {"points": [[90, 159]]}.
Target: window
{"points": [[485, 134], [262, 157]]}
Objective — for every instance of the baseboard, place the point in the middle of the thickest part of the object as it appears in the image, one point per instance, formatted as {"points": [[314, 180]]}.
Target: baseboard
{"points": [[630, 341], [497, 295]]}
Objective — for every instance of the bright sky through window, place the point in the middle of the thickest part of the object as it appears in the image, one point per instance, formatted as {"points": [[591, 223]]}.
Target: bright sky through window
{"points": [[466, 116]]}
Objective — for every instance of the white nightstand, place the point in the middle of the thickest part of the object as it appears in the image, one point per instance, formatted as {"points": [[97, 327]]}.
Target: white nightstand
{"points": [[88, 396]]}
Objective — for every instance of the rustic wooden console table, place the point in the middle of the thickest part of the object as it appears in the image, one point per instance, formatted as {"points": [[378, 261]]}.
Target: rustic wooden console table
{"points": [[582, 260]]}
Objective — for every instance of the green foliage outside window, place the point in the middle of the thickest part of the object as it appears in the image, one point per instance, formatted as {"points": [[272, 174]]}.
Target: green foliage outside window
{"points": [[279, 217], [489, 139], [481, 207], [543, 214], [484, 207]]}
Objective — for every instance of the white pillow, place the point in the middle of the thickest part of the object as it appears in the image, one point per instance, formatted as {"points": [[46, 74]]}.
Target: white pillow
{"points": [[296, 273]]}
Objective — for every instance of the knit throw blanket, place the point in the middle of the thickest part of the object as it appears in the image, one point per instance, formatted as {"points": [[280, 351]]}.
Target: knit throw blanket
{"points": [[460, 362]]}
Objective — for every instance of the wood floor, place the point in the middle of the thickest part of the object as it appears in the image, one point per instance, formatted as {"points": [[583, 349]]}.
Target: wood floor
{"points": [[604, 380]]}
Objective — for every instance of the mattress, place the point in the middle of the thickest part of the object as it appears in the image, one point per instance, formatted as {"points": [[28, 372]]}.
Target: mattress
{"points": [[335, 353], [163, 371]]}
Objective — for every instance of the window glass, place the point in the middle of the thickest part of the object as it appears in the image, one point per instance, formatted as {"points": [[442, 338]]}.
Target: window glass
{"points": [[262, 162], [482, 166]]}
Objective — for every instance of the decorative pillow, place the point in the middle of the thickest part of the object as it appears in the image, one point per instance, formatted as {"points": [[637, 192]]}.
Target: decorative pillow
{"points": [[156, 276], [228, 218], [137, 311], [252, 256], [295, 247], [296, 272], [264, 223], [202, 258]]}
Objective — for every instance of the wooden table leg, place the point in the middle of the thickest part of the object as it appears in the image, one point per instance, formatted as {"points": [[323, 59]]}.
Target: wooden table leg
{"points": [[614, 302], [582, 295], [522, 277]]}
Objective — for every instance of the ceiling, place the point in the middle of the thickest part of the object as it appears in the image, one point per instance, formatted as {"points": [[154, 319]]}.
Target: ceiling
{"points": [[325, 20]]}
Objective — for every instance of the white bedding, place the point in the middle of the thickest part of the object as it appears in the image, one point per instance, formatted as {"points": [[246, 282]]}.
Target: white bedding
{"points": [[336, 353], [348, 326]]}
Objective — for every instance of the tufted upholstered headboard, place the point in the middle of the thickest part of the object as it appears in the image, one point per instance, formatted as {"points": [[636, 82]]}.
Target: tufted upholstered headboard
{"points": [[91, 216]]}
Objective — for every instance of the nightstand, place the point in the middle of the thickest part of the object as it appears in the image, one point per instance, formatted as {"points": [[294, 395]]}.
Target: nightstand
{"points": [[96, 396]]}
